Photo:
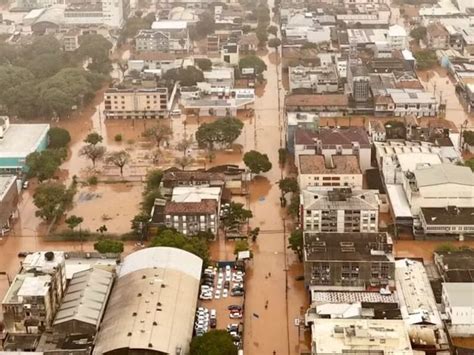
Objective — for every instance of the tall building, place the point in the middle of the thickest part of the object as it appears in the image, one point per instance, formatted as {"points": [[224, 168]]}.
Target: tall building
{"points": [[339, 210], [359, 83]]}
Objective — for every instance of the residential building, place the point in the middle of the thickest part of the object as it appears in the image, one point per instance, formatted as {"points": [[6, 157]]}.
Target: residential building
{"points": [[301, 28], [437, 37], [177, 33], [397, 37], [357, 336], [70, 40], [35, 294], [152, 41], [220, 77], [8, 201], [154, 60], [295, 120], [348, 259], [153, 304], [84, 301], [458, 302], [110, 13], [248, 43], [456, 265], [213, 44], [439, 185], [224, 103], [448, 221], [326, 105], [337, 170], [136, 100], [418, 306], [358, 80], [17, 141], [230, 53], [335, 141], [172, 179], [409, 102], [339, 210], [316, 80], [191, 218]]}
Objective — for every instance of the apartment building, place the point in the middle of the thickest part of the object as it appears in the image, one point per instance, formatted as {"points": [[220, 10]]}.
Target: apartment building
{"points": [[358, 80], [326, 105], [190, 218], [411, 102], [437, 37], [316, 80], [449, 220], [339, 210], [348, 259], [177, 33], [458, 302], [337, 171], [335, 141], [35, 294], [397, 37], [136, 102], [152, 41], [109, 13]]}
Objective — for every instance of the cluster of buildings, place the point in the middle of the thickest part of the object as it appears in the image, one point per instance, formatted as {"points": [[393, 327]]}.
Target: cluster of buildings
{"points": [[86, 303]]}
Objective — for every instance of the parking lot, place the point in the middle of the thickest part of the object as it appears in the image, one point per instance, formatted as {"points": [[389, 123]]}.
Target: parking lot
{"points": [[221, 288]]}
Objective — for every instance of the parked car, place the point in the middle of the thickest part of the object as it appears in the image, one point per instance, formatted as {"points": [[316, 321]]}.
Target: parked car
{"points": [[213, 323], [236, 293], [235, 315], [234, 307]]}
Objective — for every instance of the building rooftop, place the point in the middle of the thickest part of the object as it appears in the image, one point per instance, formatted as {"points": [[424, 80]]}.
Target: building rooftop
{"points": [[347, 246], [150, 56], [397, 31], [169, 25], [316, 100], [337, 336], [460, 294], [398, 201], [204, 206], [27, 285], [192, 175], [445, 173], [43, 261], [85, 297], [6, 181], [22, 139], [337, 164], [456, 266], [330, 198], [333, 136], [350, 296], [450, 215], [195, 193], [153, 304]]}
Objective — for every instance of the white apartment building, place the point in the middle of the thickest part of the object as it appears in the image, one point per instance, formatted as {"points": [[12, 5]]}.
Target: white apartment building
{"points": [[177, 33], [220, 77], [409, 102], [132, 103], [111, 13], [458, 302], [318, 80], [337, 171], [397, 37], [339, 210]]}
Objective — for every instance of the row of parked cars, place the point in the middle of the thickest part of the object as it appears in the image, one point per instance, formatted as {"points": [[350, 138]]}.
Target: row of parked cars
{"points": [[219, 283], [204, 320]]}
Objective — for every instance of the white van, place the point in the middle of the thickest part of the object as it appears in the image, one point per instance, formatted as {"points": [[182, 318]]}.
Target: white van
{"points": [[176, 113], [213, 314]]}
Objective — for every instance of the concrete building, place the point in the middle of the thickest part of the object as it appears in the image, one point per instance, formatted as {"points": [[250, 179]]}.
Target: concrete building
{"points": [[295, 120], [230, 53], [17, 141], [348, 259], [358, 80], [326, 105], [339, 210], [220, 78], [110, 13], [448, 221], [338, 171], [458, 302], [8, 201], [397, 37], [412, 102], [356, 336], [437, 37], [152, 41], [35, 294], [83, 304], [152, 306], [335, 141], [177, 33], [136, 101], [316, 80], [191, 218], [180, 178], [455, 266]]}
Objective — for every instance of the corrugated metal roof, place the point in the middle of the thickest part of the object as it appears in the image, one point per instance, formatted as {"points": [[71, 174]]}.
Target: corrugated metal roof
{"points": [[444, 174]]}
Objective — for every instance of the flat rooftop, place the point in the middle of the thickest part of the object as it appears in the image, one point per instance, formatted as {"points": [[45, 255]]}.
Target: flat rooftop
{"points": [[350, 297], [460, 294], [325, 198], [457, 266], [6, 181], [27, 285], [337, 164], [450, 215], [347, 246], [22, 139]]}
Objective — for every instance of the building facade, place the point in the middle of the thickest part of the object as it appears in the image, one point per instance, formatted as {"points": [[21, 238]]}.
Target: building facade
{"points": [[458, 302], [191, 218], [152, 41], [8, 201]]}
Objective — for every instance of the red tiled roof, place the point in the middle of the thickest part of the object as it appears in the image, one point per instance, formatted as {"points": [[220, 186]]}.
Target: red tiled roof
{"points": [[316, 100], [203, 207], [329, 136]]}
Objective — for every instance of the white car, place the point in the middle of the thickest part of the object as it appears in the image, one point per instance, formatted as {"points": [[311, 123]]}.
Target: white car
{"points": [[227, 278], [225, 293], [217, 295], [219, 284], [205, 296], [235, 315], [220, 277]]}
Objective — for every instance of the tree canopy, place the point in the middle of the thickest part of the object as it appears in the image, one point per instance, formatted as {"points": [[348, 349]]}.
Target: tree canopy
{"points": [[172, 238], [236, 214], [188, 76], [252, 61], [418, 33], [58, 138], [203, 63], [51, 199], [224, 131], [257, 162], [43, 165], [119, 159], [274, 43], [108, 246], [296, 243], [93, 152], [289, 184], [73, 221], [425, 59], [93, 138], [215, 342]]}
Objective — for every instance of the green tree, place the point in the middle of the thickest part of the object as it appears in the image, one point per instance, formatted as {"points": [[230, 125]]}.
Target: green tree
{"points": [[93, 138], [215, 342], [418, 33], [158, 133], [43, 165], [262, 36], [236, 214], [470, 163], [252, 61], [425, 59], [257, 162], [58, 138], [205, 26], [139, 221], [73, 221], [282, 156], [12, 76], [241, 245], [51, 199], [445, 248], [223, 131], [108, 246], [188, 76], [153, 180], [149, 200], [119, 159], [273, 30], [184, 144], [468, 137], [93, 152], [274, 43], [171, 238], [204, 64], [46, 65], [296, 243], [183, 162], [254, 233], [294, 207], [289, 184], [97, 48]]}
